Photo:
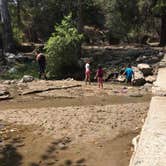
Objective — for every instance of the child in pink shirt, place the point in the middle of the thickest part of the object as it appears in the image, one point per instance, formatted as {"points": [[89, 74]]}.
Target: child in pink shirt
{"points": [[99, 76]]}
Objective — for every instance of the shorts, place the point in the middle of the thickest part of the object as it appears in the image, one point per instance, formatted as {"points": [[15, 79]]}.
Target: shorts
{"points": [[100, 79], [87, 73], [42, 68], [129, 79]]}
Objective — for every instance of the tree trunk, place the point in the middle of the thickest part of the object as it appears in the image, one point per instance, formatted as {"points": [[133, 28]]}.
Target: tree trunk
{"points": [[80, 21], [18, 13], [163, 31], [80, 24], [7, 30]]}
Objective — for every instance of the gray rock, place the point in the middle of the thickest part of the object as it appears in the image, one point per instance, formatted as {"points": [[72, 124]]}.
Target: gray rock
{"points": [[10, 57], [27, 78], [147, 87], [22, 58], [160, 54], [154, 59], [12, 70]]}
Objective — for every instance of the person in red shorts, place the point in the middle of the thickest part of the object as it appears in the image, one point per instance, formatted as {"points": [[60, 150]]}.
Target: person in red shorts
{"points": [[99, 76], [87, 72]]}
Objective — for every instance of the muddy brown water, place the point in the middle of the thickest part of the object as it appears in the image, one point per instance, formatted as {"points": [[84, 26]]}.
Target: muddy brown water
{"points": [[40, 102]]}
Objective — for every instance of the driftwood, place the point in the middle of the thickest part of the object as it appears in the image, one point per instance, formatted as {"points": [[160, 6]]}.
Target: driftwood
{"points": [[5, 97], [49, 89]]}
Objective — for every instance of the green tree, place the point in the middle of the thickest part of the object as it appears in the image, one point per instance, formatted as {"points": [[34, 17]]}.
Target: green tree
{"points": [[61, 49], [34, 20], [159, 10], [121, 17]]}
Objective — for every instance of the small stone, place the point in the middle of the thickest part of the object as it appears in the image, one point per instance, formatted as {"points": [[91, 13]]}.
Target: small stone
{"points": [[62, 146], [68, 162]]}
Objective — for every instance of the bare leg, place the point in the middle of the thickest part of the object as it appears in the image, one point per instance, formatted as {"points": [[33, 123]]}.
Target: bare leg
{"points": [[89, 79], [86, 79]]}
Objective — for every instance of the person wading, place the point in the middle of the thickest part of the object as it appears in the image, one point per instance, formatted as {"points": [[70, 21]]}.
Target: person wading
{"points": [[87, 72], [41, 59], [99, 76], [129, 74]]}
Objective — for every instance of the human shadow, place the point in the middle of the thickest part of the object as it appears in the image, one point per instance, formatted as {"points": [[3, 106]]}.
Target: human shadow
{"points": [[9, 155], [50, 158]]}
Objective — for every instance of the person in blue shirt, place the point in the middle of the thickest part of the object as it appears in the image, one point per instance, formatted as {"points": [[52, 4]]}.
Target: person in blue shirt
{"points": [[129, 74]]}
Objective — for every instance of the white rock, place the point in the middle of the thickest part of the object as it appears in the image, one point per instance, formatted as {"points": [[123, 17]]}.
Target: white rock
{"points": [[121, 78], [145, 68]]}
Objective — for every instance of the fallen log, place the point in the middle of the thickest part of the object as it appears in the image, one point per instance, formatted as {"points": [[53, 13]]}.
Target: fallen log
{"points": [[5, 97], [49, 89]]}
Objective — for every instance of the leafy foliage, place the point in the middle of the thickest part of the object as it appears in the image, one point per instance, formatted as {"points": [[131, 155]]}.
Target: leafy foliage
{"points": [[62, 49], [126, 20], [160, 8]]}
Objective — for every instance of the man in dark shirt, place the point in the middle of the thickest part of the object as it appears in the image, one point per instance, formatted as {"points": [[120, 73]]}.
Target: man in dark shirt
{"points": [[40, 58]]}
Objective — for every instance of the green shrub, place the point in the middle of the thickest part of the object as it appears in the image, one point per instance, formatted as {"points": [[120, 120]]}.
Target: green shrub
{"points": [[62, 49]]}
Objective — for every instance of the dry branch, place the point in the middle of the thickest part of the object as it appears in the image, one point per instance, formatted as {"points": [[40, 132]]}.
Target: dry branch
{"points": [[49, 89]]}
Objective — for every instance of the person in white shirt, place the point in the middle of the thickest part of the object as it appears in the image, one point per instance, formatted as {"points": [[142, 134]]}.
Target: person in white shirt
{"points": [[87, 72]]}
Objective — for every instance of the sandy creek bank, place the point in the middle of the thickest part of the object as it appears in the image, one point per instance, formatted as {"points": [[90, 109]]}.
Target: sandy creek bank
{"points": [[78, 126]]}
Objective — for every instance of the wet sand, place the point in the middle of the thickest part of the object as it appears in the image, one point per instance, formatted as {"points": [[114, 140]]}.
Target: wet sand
{"points": [[41, 102]]}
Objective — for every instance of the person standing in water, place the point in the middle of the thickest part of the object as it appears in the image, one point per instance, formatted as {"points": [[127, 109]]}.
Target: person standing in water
{"points": [[87, 72], [129, 74], [40, 58], [99, 76]]}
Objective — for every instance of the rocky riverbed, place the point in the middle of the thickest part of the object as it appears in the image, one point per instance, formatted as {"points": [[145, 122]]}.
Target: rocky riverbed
{"points": [[68, 123]]}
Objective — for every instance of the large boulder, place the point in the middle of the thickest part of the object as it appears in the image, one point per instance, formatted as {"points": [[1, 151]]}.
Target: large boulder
{"points": [[139, 78], [145, 69]]}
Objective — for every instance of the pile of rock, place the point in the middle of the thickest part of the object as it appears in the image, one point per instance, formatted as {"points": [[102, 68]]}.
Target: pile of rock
{"points": [[152, 58], [13, 58], [143, 73]]}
